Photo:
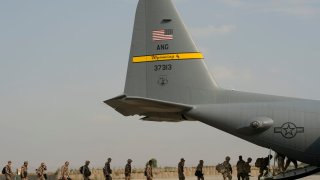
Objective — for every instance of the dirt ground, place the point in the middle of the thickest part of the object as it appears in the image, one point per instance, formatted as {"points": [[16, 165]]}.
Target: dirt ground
{"points": [[314, 177]]}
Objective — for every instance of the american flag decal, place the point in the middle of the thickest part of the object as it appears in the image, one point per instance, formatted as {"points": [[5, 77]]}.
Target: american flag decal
{"points": [[162, 34]]}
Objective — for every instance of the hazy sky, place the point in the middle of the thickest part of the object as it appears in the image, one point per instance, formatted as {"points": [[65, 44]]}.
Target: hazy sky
{"points": [[59, 60]]}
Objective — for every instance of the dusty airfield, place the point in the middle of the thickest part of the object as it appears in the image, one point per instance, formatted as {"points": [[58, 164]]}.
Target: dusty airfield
{"points": [[171, 174], [315, 177]]}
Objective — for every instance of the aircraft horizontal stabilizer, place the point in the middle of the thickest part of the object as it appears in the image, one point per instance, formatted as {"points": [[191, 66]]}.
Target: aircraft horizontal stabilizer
{"points": [[154, 110]]}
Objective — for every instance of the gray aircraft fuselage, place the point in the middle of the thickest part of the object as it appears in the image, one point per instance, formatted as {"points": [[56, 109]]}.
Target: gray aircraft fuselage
{"points": [[292, 126]]}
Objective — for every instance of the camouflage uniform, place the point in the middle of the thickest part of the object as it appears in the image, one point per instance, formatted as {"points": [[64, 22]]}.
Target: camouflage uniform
{"points": [[199, 172], [64, 171], [41, 171], [24, 171], [127, 170], [288, 161], [148, 170], [264, 166], [86, 171], [240, 168], [228, 169], [181, 170], [8, 169], [280, 160], [247, 169], [107, 170]]}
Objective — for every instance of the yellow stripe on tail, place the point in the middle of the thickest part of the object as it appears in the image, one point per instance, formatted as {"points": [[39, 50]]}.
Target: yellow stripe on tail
{"points": [[167, 57]]}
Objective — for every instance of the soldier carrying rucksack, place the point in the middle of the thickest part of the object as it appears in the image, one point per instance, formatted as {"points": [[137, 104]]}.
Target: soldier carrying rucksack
{"points": [[264, 166], [199, 172], [127, 170], [24, 171], [181, 169], [7, 171], [85, 171], [228, 169], [41, 171], [148, 170], [240, 168], [247, 169], [64, 171], [107, 170]]}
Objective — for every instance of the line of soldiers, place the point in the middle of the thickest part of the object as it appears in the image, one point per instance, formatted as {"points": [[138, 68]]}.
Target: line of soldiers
{"points": [[243, 168], [86, 173], [9, 174], [64, 171], [225, 168], [198, 173], [107, 172]]}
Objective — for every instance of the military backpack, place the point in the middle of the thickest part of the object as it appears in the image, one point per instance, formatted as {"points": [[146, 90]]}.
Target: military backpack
{"points": [[4, 170], [259, 162], [145, 172], [220, 168], [81, 169]]}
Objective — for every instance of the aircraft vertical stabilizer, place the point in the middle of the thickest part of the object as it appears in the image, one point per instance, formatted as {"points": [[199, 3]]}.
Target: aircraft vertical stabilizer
{"points": [[164, 63]]}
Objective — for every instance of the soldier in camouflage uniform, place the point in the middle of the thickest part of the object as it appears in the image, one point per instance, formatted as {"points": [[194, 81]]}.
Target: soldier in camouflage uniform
{"points": [[240, 168], [247, 169], [148, 170], [24, 171], [199, 172], [41, 171], [64, 171], [86, 171], [181, 170], [280, 160], [288, 161], [227, 174], [107, 170], [8, 171], [127, 170], [264, 168]]}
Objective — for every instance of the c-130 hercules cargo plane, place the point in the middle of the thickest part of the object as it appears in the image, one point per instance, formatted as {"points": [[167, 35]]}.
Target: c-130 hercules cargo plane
{"points": [[167, 80]]}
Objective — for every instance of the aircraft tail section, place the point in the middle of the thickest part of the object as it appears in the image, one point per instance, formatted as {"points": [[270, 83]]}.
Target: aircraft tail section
{"points": [[164, 63]]}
